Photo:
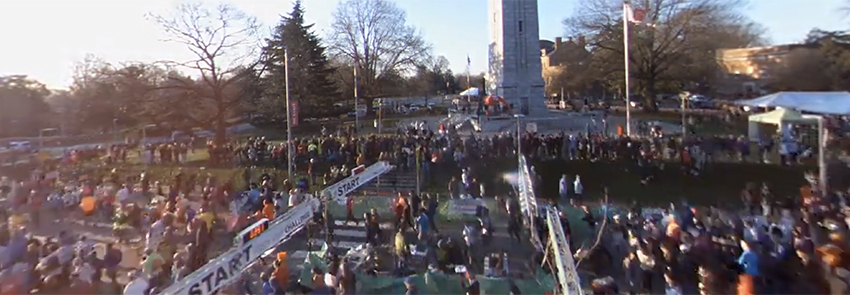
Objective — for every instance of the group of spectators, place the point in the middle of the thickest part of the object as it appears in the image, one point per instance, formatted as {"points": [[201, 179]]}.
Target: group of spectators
{"points": [[795, 248]]}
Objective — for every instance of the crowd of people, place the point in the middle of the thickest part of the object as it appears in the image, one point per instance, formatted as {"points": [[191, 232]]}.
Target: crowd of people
{"points": [[793, 248], [771, 247]]}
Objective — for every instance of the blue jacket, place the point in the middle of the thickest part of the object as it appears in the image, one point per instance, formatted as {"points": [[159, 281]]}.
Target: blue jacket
{"points": [[749, 261]]}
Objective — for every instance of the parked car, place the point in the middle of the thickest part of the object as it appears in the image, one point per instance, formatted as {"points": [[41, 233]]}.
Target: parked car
{"points": [[698, 101]]}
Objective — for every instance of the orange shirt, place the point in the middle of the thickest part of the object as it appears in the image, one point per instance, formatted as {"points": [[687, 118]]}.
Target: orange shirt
{"points": [[281, 274], [268, 211], [673, 230]]}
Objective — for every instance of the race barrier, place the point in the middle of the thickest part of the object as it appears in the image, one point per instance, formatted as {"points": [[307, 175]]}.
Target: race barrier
{"points": [[262, 238], [568, 278], [567, 275], [252, 243], [528, 201]]}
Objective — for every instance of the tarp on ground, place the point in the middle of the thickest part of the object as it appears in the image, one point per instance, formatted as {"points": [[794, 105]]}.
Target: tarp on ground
{"points": [[433, 283]]}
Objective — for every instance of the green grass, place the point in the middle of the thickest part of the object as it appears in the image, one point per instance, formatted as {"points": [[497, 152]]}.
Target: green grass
{"points": [[721, 183], [705, 124]]}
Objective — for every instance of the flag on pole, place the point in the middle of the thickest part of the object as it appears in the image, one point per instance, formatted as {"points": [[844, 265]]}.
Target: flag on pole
{"points": [[634, 15], [468, 61]]}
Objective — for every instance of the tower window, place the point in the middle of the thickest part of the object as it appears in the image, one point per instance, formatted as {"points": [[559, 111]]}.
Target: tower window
{"points": [[520, 26]]}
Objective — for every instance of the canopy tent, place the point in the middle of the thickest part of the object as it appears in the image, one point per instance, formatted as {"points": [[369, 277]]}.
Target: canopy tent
{"points": [[833, 102], [779, 117], [472, 91]]}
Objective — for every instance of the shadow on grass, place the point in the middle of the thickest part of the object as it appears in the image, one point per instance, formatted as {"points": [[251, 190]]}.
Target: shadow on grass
{"points": [[720, 184]]}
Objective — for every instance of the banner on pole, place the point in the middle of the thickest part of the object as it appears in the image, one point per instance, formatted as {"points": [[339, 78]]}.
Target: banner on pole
{"points": [[294, 111]]}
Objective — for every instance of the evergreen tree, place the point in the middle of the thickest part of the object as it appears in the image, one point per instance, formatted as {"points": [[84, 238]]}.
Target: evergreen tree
{"points": [[309, 71]]}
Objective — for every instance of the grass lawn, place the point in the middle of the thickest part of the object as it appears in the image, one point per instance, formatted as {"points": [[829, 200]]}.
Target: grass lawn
{"points": [[720, 184], [705, 124]]}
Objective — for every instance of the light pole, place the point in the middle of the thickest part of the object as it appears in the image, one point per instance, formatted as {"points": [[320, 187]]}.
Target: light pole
{"points": [[823, 136], [356, 99], [626, 8], [288, 117], [684, 96]]}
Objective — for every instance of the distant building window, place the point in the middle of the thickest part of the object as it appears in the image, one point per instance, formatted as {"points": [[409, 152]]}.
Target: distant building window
{"points": [[520, 26]]}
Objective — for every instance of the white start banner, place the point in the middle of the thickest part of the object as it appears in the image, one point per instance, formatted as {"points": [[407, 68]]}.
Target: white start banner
{"points": [[227, 268], [339, 190]]}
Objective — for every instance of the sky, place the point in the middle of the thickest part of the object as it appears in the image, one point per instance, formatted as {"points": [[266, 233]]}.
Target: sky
{"points": [[45, 38]]}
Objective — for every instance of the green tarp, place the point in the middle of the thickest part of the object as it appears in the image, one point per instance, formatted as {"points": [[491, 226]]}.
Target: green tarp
{"points": [[431, 283]]}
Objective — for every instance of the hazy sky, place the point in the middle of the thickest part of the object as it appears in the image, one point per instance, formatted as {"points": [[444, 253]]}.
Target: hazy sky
{"points": [[44, 38]]}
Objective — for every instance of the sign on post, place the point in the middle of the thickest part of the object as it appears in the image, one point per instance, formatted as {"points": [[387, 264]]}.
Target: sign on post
{"points": [[531, 127], [294, 112]]}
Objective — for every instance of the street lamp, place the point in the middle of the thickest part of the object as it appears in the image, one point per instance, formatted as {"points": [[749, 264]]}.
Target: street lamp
{"points": [[41, 136]]}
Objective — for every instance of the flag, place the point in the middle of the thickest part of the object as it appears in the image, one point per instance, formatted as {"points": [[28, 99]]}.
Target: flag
{"points": [[468, 61], [634, 15]]}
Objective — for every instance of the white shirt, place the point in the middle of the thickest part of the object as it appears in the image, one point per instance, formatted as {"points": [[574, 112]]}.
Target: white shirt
{"points": [[293, 200], [137, 287], [577, 186]]}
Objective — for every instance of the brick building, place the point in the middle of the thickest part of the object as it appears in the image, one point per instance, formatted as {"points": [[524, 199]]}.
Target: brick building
{"points": [[746, 71]]}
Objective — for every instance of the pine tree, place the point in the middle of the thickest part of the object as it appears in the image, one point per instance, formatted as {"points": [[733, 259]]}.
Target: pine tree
{"points": [[309, 71]]}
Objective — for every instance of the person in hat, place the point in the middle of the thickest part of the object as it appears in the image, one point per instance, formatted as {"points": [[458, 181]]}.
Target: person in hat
{"points": [[280, 274]]}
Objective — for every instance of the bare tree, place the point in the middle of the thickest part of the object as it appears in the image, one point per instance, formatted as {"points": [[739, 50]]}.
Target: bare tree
{"points": [[224, 41], [675, 45], [375, 37]]}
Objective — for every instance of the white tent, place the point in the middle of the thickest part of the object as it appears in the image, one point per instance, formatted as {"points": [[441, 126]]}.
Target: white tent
{"points": [[472, 91], [779, 117], [833, 103]]}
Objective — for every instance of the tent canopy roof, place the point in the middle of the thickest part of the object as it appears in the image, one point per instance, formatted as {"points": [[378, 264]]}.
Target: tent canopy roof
{"points": [[827, 102], [781, 115], [472, 91]]}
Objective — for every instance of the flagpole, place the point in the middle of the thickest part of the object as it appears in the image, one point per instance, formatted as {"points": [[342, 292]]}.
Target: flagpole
{"points": [[626, 10], [289, 145]]}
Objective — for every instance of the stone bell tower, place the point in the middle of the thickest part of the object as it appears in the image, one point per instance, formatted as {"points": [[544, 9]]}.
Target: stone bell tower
{"points": [[514, 64]]}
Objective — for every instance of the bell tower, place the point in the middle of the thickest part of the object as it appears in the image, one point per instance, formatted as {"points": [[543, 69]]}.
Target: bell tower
{"points": [[514, 71]]}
